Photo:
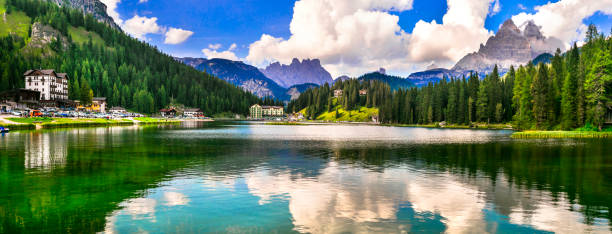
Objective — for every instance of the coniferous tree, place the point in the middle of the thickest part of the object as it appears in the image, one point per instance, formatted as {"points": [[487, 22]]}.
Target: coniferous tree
{"points": [[569, 103], [597, 80], [541, 103], [482, 109]]}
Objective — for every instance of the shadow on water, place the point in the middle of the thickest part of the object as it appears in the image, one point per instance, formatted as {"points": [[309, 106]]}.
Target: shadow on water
{"points": [[308, 178]]}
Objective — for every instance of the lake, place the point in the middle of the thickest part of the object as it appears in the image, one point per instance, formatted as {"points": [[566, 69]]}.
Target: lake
{"points": [[242, 177]]}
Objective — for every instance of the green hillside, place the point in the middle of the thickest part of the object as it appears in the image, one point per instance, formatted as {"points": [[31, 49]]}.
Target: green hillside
{"points": [[352, 105], [13, 22], [362, 114], [128, 72], [81, 35]]}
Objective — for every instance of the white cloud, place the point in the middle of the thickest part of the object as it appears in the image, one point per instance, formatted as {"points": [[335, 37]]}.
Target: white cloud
{"points": [[232, 47], [461, 32], [212, 52], [143, 1], [522, 7], [214, 46], [353, 37], [176, 36], [344, 34], [563, 19], [139, 26], [496, 8]]}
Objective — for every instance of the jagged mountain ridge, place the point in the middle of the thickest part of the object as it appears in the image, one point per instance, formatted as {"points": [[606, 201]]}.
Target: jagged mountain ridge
{"points": [[94, 7], [510, 46], [243, 75], [306, 71]]}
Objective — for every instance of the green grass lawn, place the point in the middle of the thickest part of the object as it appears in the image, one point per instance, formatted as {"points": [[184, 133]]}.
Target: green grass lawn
{"points": [[363, 114], [47, 120], [16, 22], [80, 35], [561, 134]]}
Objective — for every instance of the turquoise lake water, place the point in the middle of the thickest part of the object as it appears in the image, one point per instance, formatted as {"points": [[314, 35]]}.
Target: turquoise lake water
{"points": [[242, 177]]}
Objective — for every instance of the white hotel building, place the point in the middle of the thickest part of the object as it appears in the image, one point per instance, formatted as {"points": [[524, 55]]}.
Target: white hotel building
{"points": [[52, 86]]}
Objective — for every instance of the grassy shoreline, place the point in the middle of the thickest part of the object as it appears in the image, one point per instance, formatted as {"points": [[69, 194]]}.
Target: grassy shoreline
{"points": [[49, 123], [455, 126], [560, 134]]}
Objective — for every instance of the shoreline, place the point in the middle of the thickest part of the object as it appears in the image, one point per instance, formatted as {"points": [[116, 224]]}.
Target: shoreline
{"points": [[19, 123], [560, 135]]}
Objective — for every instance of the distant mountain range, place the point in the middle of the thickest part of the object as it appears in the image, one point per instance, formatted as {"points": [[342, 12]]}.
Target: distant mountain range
{"points": [[510, 46], [240, 74], [395, 82], [307, 71], [435, 75]]}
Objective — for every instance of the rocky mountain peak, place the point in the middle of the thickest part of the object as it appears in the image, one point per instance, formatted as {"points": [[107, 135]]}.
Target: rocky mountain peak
{"points": [[509, 27], [298, 72], [532, 31], [94, 7], [509, 46]]}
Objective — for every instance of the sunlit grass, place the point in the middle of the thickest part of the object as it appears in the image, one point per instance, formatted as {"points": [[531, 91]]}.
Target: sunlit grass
{"points": [[562, 134], [80, 35], [16, 22], [363, 114]]}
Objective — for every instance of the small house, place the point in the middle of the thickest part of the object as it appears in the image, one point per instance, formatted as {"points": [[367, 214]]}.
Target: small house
{"points": [[338, 93], [117, 110], [168, 113], [21, 98], [98, 104], [363, 92], [193, 112]]}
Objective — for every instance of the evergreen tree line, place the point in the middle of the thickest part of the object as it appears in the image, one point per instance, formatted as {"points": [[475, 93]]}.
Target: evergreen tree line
{"points": [[128, 72], [574, 90]]}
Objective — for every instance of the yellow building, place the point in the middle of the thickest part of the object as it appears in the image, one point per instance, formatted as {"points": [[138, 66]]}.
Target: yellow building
{"points": [[98, 104], [258, 112]]}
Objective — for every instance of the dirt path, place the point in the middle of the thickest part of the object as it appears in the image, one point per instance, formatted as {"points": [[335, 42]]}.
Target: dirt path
{"points": [[6, 121]]}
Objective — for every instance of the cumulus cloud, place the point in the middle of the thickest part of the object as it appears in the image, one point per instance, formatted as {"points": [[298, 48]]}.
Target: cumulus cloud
{"points": [[213, 52], [353, 37], [563, 19], [214, 46], [342, 33], [461, 32], [176, 36], [495, 8], [143, 1], [140, 26]]}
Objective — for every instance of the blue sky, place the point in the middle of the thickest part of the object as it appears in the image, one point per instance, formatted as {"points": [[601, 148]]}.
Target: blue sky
{"points": [[243, 22]]}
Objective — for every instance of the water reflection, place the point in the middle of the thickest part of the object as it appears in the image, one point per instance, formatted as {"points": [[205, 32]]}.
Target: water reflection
{"points": [[315, 179]]}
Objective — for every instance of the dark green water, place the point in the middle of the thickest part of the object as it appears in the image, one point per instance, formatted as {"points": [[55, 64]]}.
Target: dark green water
{"points": [[240, 178]]}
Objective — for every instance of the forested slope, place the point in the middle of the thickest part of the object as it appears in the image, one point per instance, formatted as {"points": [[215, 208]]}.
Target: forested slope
{"points": [[573, 91], [128, 72]]}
